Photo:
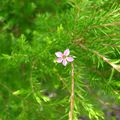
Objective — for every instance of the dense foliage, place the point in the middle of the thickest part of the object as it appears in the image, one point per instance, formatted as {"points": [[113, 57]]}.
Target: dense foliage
{"points": [[32, 85]]}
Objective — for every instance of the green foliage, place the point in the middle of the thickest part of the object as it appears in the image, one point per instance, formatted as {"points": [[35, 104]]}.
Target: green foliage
{"points": [[32, 85]]}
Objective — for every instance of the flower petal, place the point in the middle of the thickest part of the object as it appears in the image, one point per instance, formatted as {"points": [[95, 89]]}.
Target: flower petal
{"points": [[59, 60], [64, 62], [66, 52], [69, 59], [59, 54]]}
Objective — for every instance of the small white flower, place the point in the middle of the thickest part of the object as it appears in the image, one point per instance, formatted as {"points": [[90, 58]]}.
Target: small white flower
{"points": [[64, 57]]}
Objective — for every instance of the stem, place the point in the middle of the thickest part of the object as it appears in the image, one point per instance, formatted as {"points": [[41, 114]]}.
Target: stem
{"points": [[116, 67], [72, 96], [31, 82]]}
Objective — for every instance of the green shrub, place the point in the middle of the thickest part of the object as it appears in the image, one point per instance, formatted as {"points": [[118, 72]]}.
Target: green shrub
{"points": [[32, 85]]}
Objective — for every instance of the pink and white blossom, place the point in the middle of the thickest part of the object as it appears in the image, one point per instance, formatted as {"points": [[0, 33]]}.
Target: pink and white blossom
{"points": [[64, 58]]}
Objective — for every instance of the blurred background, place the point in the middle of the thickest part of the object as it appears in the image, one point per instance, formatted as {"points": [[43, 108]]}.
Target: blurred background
{"points": [[32, 85]]}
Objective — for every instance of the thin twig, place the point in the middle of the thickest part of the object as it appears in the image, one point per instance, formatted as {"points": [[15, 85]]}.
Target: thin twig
{"points": [[116, 67], [31, 72], [72, 96], [107, 25]]}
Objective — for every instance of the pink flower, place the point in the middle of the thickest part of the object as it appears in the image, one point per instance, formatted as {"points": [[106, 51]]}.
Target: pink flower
{"points": [[64, 57]]}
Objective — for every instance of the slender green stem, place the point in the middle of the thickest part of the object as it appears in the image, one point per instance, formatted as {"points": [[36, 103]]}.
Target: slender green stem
{"points": [[72, 96]]}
